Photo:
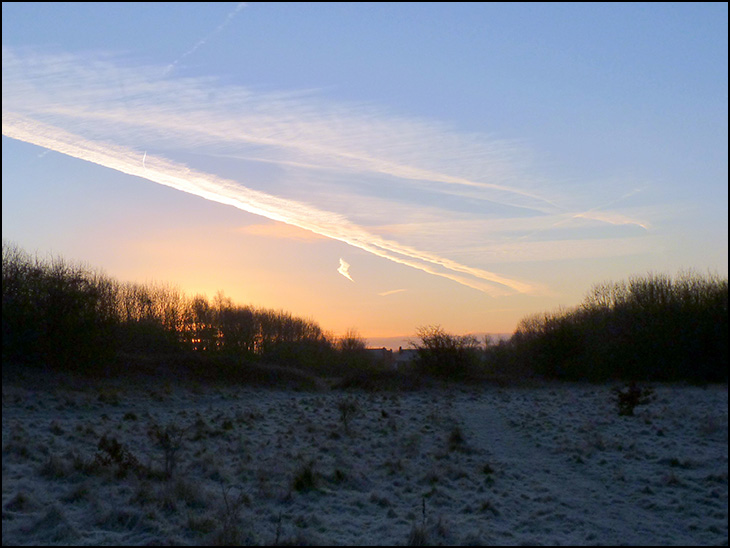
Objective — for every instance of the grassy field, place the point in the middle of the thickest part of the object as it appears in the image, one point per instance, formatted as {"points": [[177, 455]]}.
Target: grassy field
{"points": [[144, 464]]}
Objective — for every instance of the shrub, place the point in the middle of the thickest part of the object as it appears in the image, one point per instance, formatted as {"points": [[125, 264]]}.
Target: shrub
{"points": [[631, 396], [54, 468], [348, 408], [112, 452], [53, 312], [457, 442], [305, 479], [230, 532], [447, 356], [418, 535], [352, 353], [169, 439], [652, 328]]}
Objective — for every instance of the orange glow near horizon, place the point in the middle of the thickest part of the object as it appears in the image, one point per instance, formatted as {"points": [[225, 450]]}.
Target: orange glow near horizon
{"points": [[361, 203]]}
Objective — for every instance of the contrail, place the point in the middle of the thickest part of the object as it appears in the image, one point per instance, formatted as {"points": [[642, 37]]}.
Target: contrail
{"points": [[596, 214], [391, 292], [224, 191], [192, 50], [345, 269], [289, 129], [322, 144]]}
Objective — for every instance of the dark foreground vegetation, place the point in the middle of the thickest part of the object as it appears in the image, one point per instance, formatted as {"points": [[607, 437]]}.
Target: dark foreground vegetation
{"points": [[649, 328], [70, 318], [652, 328]]}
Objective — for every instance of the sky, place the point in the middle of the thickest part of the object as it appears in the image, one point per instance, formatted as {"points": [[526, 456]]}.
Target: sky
{"points": [[376, 167]]}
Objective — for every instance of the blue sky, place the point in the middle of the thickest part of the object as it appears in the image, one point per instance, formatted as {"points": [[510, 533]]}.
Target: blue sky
{"points": [[471, 163]]}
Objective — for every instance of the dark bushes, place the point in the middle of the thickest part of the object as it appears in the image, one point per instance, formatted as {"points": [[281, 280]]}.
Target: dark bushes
{"points": [[446, 356], [75, 319], [631, 396], [382, 380], [72, 318], [54, 313], [652, 328]]}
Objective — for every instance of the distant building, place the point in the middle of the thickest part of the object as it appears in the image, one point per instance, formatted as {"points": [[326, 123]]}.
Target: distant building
{"points": [[392, 358], [383, 356], [404, 356]]}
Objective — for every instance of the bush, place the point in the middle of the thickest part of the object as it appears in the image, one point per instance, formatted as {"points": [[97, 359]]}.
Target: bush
{"points": [[652, 328], [631, 396], [305, 479], [169, 439], [348, 408], [54, 313], [382, 380], [72, 318], [352, 354], [447, 356], [113, 453]]}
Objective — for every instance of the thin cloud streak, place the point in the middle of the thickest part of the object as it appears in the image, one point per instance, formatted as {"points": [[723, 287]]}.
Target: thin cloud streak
{"points": [[344, 269], [202, 42], [563, 250], [81, 94], [391, 292], [613, 218], [329, 169], [599, 213], [228, 192]]}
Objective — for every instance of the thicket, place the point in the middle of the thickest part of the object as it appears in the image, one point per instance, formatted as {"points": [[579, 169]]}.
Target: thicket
{"points": [[649, 328], [443, 355], [71, 317], [53, 312], [74, 318]]}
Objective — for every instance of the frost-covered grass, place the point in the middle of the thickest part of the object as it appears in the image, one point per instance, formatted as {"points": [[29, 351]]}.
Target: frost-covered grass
{"points": [[554, 464]]}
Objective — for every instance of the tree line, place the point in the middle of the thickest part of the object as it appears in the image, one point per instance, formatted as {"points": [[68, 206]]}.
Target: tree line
{"points": [[651, 328], [71, 316], [655, 327]]}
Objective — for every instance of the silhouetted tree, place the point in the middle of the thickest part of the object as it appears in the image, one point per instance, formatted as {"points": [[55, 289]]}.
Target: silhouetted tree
{"points": [[54, 313], [441, 354], [651, 328]]}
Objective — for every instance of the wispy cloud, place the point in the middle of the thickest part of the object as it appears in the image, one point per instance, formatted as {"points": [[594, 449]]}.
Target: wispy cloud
{"points": [[613, 218], [202, 41], [132, 104], [391, 292], [228, 192], [344, 269], [411, 191]]}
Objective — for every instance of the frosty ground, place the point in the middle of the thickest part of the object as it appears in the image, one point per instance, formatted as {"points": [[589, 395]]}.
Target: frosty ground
{"points": [[552, 464]]}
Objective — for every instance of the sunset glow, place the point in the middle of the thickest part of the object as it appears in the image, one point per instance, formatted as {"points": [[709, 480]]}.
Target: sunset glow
{"points": [[376, 187]]}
